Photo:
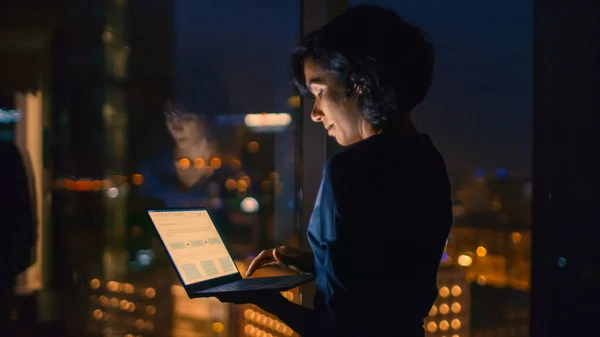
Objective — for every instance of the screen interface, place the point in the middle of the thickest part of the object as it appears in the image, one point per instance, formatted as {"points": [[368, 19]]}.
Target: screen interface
{"points": [[194, 244]]}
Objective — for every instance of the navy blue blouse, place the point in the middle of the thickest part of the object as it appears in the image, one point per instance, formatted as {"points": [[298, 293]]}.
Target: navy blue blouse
{"points": [[378, 231]]}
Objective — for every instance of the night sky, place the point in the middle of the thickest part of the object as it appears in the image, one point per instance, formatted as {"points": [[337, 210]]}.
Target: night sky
{"points": [[478, 112]]}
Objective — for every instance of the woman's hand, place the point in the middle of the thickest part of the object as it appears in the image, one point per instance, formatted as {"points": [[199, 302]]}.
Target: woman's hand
{"points": [[288, 257], [261, 298]]}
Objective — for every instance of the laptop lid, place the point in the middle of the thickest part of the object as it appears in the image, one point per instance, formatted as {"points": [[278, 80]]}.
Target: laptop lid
{"points": [[195, 247]]}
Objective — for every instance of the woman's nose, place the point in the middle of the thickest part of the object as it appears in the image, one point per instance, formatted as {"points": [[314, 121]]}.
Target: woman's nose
{"points": [[316, 114], [174, 124]]}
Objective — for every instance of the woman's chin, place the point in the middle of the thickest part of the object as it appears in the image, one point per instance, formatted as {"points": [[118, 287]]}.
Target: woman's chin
{"points": [[183, 144], [347, 142]]}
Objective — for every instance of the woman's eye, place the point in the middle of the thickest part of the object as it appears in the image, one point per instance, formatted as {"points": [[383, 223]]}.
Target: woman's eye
{"points": [[320, 92]]}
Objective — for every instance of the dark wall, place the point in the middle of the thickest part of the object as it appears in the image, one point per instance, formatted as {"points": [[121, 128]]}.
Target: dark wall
{"points": [[566, 245]]}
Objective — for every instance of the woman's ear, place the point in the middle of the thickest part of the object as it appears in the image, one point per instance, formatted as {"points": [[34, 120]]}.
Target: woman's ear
{"points": [[356, 91], [359, 90]]}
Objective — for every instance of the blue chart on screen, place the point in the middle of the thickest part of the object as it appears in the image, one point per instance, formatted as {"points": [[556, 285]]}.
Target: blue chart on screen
{"points": [[214, 241], [226, 264], [197, 243], [210, 268], [190, 271], [177, 245]]}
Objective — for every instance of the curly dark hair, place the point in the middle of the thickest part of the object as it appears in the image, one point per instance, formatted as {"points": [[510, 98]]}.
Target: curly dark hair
{"points": [[380, 57]]}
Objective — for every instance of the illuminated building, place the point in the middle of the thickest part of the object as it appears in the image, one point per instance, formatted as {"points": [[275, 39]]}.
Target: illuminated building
{"points": [[255, 322], [491, 237], [200, 317], [449, 316], [259, 323], [491, 242], [128, 309], [492, 257]]}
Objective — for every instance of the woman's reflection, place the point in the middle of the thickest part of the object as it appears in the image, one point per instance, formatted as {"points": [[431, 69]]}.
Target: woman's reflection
{"points": [[188, 173], [192, 150]]}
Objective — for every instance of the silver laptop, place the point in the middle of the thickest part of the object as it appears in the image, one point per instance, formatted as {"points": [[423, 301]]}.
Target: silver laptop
{"points": [[201, 259]]}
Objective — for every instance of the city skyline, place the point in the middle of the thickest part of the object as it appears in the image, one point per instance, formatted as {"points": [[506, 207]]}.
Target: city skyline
{"points": [[478, 111]]}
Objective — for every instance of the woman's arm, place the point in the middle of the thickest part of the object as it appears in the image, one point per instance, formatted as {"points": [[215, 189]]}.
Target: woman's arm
{"points": [[306, 322], [301, 319]]}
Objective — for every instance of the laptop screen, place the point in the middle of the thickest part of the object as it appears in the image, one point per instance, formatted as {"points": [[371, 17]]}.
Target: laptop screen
{"points": [[194, 244]]}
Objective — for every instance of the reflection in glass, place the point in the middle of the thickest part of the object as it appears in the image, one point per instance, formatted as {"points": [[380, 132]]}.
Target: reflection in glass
{"points": [[150, 110], [189, 172]]}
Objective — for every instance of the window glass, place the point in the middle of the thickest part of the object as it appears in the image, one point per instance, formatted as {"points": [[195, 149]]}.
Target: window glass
{"points": [[169, 104]]}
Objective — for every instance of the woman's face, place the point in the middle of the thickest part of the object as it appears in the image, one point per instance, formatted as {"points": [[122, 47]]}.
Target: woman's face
{"points": [[340, 115], [187, 129]]}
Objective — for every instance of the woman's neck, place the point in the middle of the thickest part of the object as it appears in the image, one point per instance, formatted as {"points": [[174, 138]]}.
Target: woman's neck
{"points": [[402, 125], [202, 149]]}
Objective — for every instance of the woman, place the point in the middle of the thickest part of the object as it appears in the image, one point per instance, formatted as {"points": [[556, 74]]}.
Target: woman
{"points": [[384, 203], [186, 174]]}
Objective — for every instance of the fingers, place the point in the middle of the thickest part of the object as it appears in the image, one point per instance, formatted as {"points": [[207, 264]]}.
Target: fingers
{"points": [[285, 255], [265, 256], [268, 264], [279, 253]]}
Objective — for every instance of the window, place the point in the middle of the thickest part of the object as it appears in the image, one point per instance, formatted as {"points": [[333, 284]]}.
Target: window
{"points": [[192, 105]]}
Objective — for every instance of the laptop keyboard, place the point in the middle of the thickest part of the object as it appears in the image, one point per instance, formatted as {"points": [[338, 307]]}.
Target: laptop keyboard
{"points": [[249, 283], [258, 283]]}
